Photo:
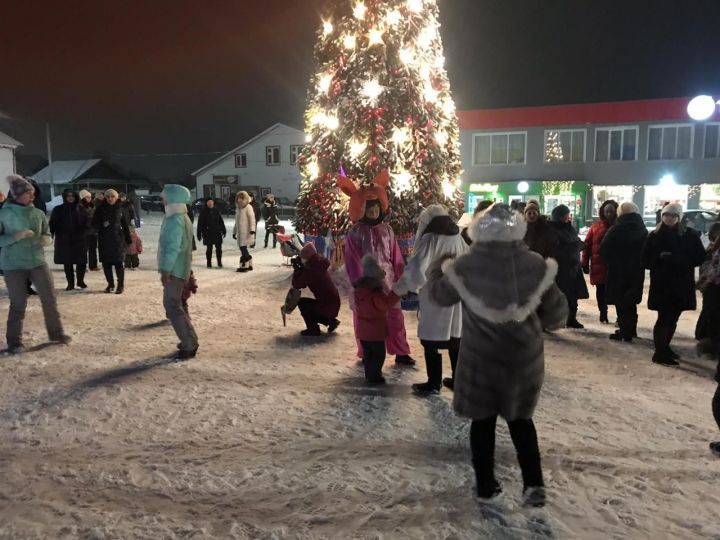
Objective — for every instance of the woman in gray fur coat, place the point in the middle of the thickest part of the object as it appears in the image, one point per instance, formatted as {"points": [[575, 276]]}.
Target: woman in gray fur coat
{"points": [[508, 295]]}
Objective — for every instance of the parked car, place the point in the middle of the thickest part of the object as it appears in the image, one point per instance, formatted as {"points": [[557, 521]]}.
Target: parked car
{"points": [[151, 203], [701, 221], [286, 208], [222, 205]]}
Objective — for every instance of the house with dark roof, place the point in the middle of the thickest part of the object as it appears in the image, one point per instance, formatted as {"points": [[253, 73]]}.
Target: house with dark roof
{"points": [[267, 163], [90, 174], [8, 145]]}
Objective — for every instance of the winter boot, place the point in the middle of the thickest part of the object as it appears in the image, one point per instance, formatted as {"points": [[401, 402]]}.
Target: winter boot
{"points": [[81, 278], [433, 364], [671, 333], [572, 321], [313, 331], [249, 265], [209, 261], [219, 261], [70, 277], [110, 288], [661, 338], [449, 383], [120, 286], [604, 316], [404, 360], [487, 486], [242, 267], [333, 326], [534, 497], [715, 448]]}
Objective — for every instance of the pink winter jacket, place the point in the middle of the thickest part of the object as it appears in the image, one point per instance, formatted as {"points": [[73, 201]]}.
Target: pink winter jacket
{"points": [[379, 241]]}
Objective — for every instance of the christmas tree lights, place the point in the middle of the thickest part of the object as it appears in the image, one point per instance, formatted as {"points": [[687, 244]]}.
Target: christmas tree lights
{"points": [[380, 100]]}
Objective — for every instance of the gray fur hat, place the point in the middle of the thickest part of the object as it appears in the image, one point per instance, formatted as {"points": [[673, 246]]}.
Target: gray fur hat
{"points": [[498, 224], [371, 268], [19, 185]]}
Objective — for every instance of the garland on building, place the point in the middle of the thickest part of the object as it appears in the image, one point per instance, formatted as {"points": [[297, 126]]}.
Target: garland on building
{"points": [[557, 187], [379, 100]]}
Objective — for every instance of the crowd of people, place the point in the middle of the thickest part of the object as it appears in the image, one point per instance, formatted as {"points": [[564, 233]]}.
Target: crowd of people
{"points": [[487, 292]]}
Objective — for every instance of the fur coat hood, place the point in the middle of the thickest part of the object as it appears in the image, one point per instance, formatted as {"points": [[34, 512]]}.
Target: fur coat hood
{"points": [[481, 279]]}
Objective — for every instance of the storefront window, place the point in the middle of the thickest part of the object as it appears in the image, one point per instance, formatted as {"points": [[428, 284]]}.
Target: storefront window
{"points": [[710, 197], [619, 194], [656, 195]]}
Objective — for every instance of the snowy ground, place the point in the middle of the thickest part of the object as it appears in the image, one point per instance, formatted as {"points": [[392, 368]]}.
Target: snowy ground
{"points": [[265, 435]]}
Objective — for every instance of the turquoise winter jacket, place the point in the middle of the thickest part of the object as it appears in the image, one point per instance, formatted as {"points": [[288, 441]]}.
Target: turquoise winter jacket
{"points": [[28, 252], [176, 234]]}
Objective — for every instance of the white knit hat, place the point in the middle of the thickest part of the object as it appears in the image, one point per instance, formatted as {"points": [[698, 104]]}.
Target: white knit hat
{"points": [[627, 208], [673, 208]]}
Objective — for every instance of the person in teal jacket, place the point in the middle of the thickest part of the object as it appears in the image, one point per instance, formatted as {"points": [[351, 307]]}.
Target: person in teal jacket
{"points": [[174, 260], [24, 232]]}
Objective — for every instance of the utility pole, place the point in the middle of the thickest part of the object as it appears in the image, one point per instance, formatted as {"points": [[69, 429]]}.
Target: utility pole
{"points": [[50, 161]]}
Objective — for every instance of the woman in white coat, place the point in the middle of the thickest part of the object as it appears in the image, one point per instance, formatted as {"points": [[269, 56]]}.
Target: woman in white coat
{"points": [[439, 327], [244, 231]]}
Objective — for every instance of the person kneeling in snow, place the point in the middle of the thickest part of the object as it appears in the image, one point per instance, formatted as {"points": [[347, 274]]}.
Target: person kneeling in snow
{"points": [[439, 326], [508, 295], [174, 260], [312, 271], [371, 308]]}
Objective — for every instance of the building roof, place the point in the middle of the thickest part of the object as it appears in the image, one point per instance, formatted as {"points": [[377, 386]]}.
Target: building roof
{"points": [[619, 112], [243, 145], [64, 172], [8, 142]]}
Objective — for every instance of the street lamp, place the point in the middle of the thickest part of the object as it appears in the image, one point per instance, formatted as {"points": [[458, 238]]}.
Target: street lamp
{"points": [[701, 107]]}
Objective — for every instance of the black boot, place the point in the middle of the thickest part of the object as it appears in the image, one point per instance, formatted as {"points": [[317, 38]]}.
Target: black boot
{"points": [[661, 338], [219, 261], [604, 316], [209, 261], [70, 277], [81, 277], [121, 281], [433, 363], [572, 321]]}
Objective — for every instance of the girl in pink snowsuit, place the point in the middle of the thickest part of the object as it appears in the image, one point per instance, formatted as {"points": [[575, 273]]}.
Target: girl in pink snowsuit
{"points": [[370, 235]]}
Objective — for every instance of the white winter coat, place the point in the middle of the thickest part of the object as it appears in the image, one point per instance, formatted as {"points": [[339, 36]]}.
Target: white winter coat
{"points": [[437, 323], [244, 225]]}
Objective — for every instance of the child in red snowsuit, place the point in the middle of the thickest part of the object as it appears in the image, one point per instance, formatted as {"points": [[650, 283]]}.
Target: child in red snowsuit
{"points": [[132, 259], [371, 308]]}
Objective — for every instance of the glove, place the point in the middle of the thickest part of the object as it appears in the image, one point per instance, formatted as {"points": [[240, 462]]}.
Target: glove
{"points": [[22, 235], [586, 269], [297, 263], [224, 234], [666, 256], [252, 232], [234, 236]]}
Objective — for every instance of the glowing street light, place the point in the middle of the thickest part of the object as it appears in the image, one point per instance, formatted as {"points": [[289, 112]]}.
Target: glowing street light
{"points": [[701, 107]]}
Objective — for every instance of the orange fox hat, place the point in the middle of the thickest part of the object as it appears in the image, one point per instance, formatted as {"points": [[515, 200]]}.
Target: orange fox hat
{"points": [[377, 190]]}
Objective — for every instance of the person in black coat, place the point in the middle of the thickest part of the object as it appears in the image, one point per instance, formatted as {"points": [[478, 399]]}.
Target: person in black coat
{"points": [[87, 204], [569, 277], [621, 249], [69, 225], [671, 252], [128, 209], [540, 235], [113, 238], [269, 214], [211, 230]]}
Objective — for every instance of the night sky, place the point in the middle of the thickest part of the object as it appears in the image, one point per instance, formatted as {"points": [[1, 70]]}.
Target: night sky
{"points": [[189, 76]]}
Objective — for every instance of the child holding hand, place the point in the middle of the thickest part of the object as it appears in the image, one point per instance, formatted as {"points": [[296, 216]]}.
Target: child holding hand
{"points": [[371, 308]]}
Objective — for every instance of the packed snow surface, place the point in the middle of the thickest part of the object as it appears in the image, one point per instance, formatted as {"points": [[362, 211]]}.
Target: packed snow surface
{"points": [[269, 435]]}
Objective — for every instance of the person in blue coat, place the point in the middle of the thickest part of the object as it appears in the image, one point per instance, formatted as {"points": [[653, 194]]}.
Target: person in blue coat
{"points": [[174, 261], [24, 232]]}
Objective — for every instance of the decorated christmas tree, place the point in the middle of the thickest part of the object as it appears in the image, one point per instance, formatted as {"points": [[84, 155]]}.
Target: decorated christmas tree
{"points": [[379, 100], [553, 149]]}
